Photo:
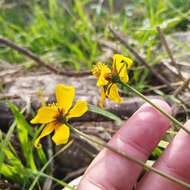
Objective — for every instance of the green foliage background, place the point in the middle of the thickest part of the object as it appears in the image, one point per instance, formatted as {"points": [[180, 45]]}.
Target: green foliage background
{"points": [[69, 32]]}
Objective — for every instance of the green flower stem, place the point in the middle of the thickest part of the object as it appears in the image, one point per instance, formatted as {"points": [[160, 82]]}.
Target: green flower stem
{"points": [[131, 158], [46, 165], [175, 121], [61, 182]]}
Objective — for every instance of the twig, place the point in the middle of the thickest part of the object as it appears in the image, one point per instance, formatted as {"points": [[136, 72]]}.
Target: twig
{"points": [[7, 72], [8, 96], [109, 45], [39, 61], [166, 46], [159, 87], [75, 174], [124, 41], [173, 61], [182, 87]]}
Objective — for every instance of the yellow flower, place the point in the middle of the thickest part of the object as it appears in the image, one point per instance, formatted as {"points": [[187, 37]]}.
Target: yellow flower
{"points": [[103, 73], [120, 66], [56, 115], [107, 78]]}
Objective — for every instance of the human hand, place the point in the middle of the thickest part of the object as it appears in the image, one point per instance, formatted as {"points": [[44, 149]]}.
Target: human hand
{"points": [[138, 137]]}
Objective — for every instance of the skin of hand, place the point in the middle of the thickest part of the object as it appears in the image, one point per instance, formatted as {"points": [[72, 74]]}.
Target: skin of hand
{"points": [[138, 137]]}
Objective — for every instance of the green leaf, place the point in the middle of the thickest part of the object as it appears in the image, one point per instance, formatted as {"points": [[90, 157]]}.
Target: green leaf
{"points": [[23, 131], [105, 113], [11, 172], [5, 142], [11, 158], [41, 155], [53, 8], [157, 152], [48, 162]]}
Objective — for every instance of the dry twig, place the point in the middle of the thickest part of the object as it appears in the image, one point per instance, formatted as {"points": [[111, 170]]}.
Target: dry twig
{"points": [[39, 61], [173, 61], [75, 174], [124, 41]]}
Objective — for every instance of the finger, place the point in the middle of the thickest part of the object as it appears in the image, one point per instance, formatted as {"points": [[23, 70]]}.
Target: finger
{"points": [[175, 161], [137, 137]]}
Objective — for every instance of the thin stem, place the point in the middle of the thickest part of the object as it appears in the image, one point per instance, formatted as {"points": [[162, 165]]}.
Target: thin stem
{"points": [[175, 121], [47, 163], [39, 61], [131, 158], [61, 182]]}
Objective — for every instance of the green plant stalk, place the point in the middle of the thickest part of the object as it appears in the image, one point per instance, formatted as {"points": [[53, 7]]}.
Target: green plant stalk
{"points": [[64, 184], [131, 158], [4, 142], [47, 163], [175, 121]]}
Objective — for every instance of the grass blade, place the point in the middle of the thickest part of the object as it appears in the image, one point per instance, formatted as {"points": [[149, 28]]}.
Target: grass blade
{"points": [[23, 130], [105, 113]]}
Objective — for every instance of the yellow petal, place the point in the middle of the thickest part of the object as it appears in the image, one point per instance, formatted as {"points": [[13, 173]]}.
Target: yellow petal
{"points": [[61, 135], [120, 58], [79, 109], [46, 131], [45, 114], [103, 97], [123, 75], [129, 62], [102, 72], [65, 96], [120, 66], [97, 69], [112, 93], [102, 80]]}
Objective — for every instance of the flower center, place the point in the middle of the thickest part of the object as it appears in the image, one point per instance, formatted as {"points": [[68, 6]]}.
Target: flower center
{"points": [[61, 119], [108, 77], [115, 78]]}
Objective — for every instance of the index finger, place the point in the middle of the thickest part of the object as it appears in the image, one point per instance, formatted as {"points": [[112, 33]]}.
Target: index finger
{"points": [[138, 137]]}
